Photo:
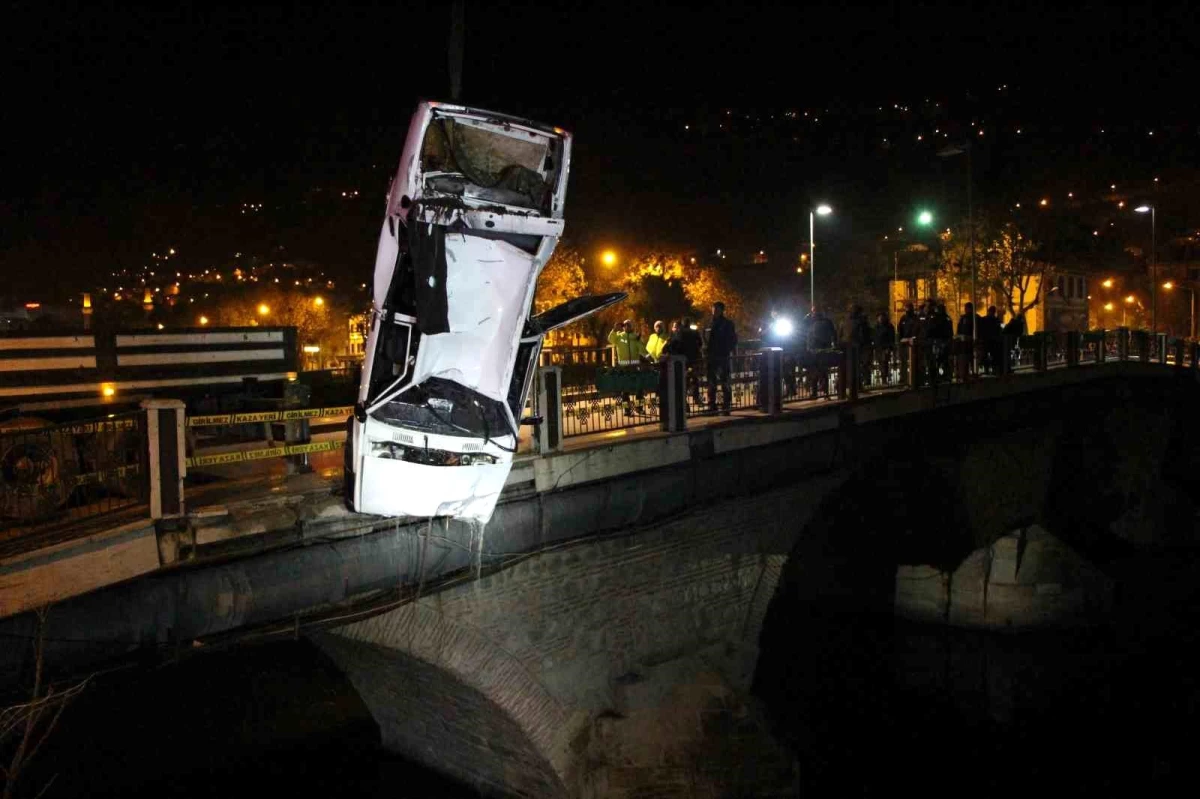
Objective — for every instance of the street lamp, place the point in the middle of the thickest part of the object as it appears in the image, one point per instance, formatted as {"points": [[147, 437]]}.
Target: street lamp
{"points": [[822, 210], [263, 309], [608, 258], [1141, 209], [925, 219]]}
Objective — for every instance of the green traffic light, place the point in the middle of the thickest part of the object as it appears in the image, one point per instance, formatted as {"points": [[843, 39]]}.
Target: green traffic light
{"points": [[925, 218]]}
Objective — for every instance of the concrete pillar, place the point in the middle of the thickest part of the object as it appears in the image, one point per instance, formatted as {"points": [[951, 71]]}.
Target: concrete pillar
{"points": [[1073, 340], [1041, 348], [1160, 340], [1122, 344], [165, 456], [1102, 347], [770, 380], [550, 431], [1194, 360], [1179, 350], [672, 394]]}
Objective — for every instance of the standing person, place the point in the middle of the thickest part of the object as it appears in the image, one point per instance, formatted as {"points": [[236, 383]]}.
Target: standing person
{"points": [[885, 345], [686, 341], [821, 336], [908, 323], [968, 323], [943, 332], [1012, 335], [722, 339], [859, 335], [658, 340], [990, 341], [628, 351]]}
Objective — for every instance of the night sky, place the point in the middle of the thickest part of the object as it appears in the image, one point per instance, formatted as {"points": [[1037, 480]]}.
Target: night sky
{"points": [[133, 128]]}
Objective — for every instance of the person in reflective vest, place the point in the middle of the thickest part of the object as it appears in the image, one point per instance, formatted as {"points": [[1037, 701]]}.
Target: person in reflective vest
{"points": [[628, 349], [658, 340]]}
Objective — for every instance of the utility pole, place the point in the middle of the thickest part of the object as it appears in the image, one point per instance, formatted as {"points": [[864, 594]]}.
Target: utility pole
{"points": [[455, 49]]}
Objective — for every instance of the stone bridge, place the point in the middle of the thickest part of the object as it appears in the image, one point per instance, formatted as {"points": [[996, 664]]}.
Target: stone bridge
{"points": [[601, 635]]}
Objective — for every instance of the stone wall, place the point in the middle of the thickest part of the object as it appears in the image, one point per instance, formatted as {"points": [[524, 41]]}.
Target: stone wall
{"points": [[1026, 580], [625, 662]]}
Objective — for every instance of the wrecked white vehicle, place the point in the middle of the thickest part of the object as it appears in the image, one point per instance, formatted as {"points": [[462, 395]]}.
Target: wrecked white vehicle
{"points": [[473, 214]]}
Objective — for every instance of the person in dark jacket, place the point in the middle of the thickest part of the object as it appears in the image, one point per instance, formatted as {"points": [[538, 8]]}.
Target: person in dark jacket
{"points": [[968, 325], [686, 341], [908, 323], [722, 339], [990, 341], [821, 336], [859, 334], [1013, 332], [941, 330], [884, 336], [968, 322]]}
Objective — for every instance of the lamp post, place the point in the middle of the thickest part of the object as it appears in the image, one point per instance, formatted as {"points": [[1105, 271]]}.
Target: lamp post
{"points": [[1141, 209], [822, 210]]}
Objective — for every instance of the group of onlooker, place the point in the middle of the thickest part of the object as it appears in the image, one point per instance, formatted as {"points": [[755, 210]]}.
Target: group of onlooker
{"points": [[713, 350]]}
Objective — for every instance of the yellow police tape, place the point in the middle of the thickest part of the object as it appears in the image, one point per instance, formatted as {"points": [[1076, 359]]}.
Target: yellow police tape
{"points": [[259, 454], [269, 416]]}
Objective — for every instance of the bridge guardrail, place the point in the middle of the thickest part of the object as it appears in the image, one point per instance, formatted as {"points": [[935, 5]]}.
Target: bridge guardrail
{"points": [[54, 475]]}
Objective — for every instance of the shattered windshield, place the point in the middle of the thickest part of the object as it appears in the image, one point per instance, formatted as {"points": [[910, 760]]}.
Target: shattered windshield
{"points": [[446, 408], [484, 164]]}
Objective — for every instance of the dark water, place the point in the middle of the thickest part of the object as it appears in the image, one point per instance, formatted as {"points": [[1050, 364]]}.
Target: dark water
{"points": [[871, 707], [265, 720]]}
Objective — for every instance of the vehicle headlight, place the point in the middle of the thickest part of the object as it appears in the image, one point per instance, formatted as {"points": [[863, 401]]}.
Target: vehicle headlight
{"points": [[429, 457]]}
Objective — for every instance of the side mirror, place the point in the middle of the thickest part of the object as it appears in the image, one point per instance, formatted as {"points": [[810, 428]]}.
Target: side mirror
{"points": [[532, 420]]}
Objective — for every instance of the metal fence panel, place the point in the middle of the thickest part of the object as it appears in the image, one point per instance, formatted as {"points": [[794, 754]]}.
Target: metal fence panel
{"points": [[59, 474]]}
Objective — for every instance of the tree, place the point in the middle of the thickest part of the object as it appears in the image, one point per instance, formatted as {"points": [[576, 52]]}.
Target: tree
{"points": [[562, 279], [30, 724], [1008, 267], [706, 285], [1011, 268]]}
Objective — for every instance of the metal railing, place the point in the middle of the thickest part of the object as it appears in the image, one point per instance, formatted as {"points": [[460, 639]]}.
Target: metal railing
{"points": [[67, 473], [716, 393]]}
